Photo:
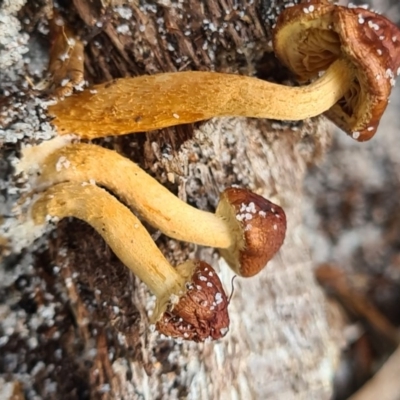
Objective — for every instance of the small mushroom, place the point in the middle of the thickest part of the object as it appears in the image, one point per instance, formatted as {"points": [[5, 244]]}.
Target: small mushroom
{"points": [[191, 303], [351, 55], [247, 228], [257, 228], [66, 61], [311, 38]]}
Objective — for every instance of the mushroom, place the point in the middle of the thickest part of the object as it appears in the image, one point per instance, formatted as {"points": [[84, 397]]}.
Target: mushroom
{"points": [[191, 302], [66, 61], [351, 55], [247, 228], [311, 38]]}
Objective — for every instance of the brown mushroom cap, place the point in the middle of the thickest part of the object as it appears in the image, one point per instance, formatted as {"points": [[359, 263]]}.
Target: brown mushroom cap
{"points": [[202, 312], [259, 226], [309, 37]]}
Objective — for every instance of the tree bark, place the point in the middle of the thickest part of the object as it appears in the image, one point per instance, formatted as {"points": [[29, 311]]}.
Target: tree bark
{"points": [[74, 321]]}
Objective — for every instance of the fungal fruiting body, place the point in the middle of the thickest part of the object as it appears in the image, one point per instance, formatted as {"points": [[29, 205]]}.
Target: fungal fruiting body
{"points": [[66, 61], [202, 312], [310, 38], [260, 227], [189, 314], [350, 55], [247, 228]]}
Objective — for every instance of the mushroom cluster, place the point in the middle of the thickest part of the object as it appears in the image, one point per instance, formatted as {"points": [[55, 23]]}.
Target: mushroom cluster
{"points": [[191, 302], [348, 56]]}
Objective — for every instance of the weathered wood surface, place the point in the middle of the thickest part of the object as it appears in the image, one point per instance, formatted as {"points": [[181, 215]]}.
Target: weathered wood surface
{"points": [[73, 320]]}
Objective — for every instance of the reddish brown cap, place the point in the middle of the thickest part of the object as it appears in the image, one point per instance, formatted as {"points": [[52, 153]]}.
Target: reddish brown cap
{"points": [[202, 312], [309, 37], [258, 226]]}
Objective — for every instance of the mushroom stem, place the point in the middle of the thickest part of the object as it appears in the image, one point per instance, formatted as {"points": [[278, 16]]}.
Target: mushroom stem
{"points": [[153, 202], [191, 302], [145, 103], [123, 232]]}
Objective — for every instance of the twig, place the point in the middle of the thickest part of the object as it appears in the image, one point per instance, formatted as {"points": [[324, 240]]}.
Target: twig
{"points": [[385, 384], [334, 279]]}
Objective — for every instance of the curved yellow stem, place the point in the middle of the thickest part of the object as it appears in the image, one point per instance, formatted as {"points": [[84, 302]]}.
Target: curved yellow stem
{"points": [[152, 102], [153, 202], [123, 232]]}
